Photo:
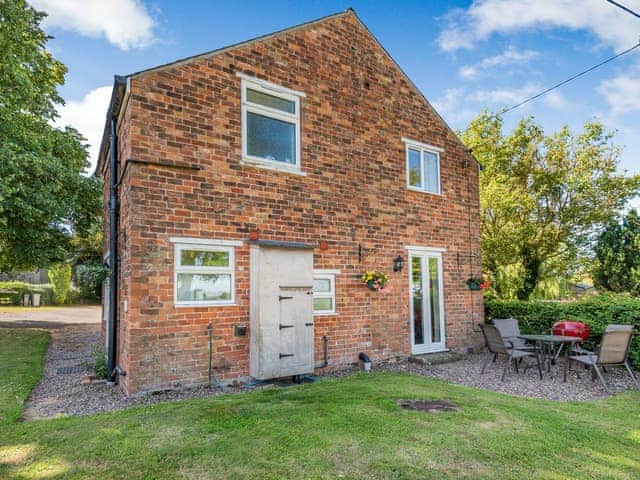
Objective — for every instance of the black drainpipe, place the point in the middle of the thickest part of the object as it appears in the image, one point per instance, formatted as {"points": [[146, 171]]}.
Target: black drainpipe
{"points": [[113, 254]]}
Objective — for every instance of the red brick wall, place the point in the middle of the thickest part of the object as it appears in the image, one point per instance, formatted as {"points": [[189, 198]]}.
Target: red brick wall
{"points": [[354, 194]]}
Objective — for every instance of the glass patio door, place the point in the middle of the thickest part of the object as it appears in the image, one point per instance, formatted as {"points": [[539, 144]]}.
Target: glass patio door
{"points": [[426, 302]]}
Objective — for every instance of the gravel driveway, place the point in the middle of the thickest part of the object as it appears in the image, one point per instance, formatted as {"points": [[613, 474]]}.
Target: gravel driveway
{"points": [[61, 392], [49, 317]]}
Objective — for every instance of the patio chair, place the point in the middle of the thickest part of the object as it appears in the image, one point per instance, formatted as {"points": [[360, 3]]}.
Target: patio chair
{"points": [[510, 330], [496, 345], [613, 351]]}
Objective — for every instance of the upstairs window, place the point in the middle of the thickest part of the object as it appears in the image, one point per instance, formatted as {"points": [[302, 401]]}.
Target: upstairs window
{"points": [[423, 167], [270, 124]]}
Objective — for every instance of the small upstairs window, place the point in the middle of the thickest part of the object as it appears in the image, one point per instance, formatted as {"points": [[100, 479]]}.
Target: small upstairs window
{"points": [[423, 167], [270, 124]]}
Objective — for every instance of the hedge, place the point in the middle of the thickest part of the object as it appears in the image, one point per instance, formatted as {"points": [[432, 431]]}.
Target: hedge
{"points": [[597, 311], [45, 290]]}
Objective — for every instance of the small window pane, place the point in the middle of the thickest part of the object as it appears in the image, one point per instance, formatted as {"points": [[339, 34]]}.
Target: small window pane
{"points": [[322, 285], [414, 168], [271, 139], [434, 293], [203, 258], [323, 304], [195, 287], [418, 305], [270, 101], [431, 172]]}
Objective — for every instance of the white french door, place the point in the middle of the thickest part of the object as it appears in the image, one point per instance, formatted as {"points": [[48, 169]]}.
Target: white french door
{"points": [[426, 305]]}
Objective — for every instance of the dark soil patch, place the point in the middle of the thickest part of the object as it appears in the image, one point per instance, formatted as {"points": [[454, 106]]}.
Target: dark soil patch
{"points": [[430, 406]]}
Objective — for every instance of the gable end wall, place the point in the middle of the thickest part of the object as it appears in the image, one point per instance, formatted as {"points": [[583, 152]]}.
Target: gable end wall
{"points": [[353, 196]]}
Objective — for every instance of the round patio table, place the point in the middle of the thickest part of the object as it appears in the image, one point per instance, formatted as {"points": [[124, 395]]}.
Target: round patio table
{"points": [[561, 340]]}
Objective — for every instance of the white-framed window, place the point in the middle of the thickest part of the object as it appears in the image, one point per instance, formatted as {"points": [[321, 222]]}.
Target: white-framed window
{"points": [[324, 292], [204, 273], [270, 124], [423, 166]]}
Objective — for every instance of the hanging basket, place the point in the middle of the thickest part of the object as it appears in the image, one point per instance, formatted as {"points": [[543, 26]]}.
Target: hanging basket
{"points": [[477, 284], [473, 286], [375, 281]]}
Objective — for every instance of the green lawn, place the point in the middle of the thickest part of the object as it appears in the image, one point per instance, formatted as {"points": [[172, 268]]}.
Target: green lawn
{"points": [[346, 428], [21, 358]]}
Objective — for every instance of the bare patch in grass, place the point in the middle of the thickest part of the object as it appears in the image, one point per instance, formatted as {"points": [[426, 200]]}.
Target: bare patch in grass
{"points": [[430, 406]]}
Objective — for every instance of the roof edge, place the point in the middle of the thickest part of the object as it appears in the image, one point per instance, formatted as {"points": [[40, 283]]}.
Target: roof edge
{"points": [[243, 43], [120, 83], [415, 87]]}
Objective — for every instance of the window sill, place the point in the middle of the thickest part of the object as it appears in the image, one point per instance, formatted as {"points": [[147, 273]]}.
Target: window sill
{"points": [[419, 190], [324, 314], [268, 165], [204, 304]]}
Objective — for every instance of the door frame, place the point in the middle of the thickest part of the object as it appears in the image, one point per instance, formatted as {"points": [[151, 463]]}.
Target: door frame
{"points": [[425, 253]]}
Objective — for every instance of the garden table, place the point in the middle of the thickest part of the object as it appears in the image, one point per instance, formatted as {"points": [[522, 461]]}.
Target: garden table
{"points": [[553, 340]]}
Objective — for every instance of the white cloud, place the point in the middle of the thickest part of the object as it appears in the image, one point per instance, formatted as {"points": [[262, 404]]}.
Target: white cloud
{"points": [[465, 27], [459, 105], [506, 97], [88, 117], [124, 23], [511, 56], [622, 93], [454, 108]]}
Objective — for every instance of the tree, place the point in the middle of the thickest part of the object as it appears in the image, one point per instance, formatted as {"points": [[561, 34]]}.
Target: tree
{"points": [[543, 198], [44, 196], [617, 256]]}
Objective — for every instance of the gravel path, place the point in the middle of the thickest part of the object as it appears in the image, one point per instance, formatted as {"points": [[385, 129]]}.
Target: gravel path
{"points": [[524, 384], [71, 346], [65, 394]]}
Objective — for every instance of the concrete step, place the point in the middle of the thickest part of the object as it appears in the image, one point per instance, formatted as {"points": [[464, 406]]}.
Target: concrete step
{"points": [[436, 358]]}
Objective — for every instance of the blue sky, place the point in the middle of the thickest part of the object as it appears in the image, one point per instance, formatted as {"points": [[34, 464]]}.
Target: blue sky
{"points": [[464, 55]]}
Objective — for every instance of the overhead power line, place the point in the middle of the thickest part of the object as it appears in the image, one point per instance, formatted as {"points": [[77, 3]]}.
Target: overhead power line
{"points": [[564, 82], [626, 9]]}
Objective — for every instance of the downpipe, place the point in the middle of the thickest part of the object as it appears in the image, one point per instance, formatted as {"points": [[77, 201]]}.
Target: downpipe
{"points": [[112, 370]]}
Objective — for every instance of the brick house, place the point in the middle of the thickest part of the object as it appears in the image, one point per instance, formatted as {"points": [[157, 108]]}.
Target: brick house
{"points": [[247, 190]]}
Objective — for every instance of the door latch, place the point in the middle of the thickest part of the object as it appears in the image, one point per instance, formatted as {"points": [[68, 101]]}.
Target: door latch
{"points": [[280, 298], [284, 355], [286, 326]]}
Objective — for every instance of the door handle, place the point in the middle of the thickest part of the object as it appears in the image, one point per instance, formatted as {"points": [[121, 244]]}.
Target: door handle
{"points": [[286, 326], [310, 324], [280, 298], [284, 355]]}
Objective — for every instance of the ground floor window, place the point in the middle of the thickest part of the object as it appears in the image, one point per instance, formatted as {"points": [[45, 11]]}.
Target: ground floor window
{"points": [[324, 292], [204, 274]]}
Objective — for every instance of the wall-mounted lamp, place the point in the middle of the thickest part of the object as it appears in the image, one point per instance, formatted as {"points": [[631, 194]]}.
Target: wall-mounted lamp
{"points": [[398, 263]]}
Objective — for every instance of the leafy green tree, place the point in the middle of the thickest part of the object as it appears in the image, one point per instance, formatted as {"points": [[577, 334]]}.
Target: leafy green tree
{"points": [[617, 252], [543, 197], [44, 196], [60, 279]]}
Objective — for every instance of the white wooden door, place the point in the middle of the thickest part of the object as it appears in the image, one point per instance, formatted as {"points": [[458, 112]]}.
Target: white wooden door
{"points": [[281, 312]]}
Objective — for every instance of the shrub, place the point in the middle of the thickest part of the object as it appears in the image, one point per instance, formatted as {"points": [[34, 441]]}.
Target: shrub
{"points": [[45, 290], [60, 278], [74, 296], [596, 311], [99, 362], [89, 278]]}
